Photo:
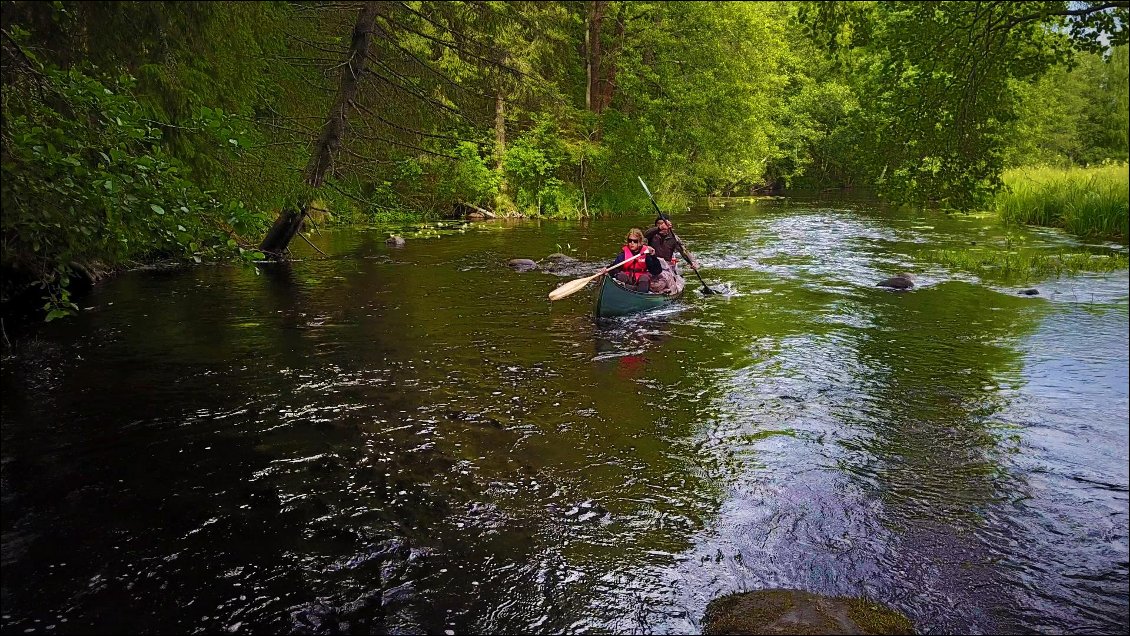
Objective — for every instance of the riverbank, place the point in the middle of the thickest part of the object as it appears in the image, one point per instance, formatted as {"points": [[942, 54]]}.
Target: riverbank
{"points": [[1092, 203]]}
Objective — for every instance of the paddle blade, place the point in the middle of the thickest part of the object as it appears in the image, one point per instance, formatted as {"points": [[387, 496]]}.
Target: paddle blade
{"points": [[571, 287]]}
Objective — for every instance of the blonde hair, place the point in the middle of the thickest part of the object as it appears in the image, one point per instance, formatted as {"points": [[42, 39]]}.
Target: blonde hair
{"points": [[636, 233]]}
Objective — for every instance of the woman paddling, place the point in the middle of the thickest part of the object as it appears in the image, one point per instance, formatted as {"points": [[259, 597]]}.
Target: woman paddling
{"points": [[636, 274]]}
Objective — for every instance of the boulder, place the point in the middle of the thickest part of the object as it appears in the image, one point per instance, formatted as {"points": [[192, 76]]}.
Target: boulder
{"points": [[1029, 292], [779, 611], [395, 241], [522, 264], [899, 281]]}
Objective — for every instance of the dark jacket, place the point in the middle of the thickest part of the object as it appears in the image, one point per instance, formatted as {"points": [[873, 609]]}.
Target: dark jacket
{"points": [[665, 247], [654, 267]]}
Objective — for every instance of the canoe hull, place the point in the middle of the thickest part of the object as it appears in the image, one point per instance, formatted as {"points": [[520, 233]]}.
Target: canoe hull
{"points": [[613, 299]]}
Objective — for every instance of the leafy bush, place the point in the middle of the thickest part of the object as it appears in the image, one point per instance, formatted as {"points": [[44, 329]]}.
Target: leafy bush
{"points": [[470, 179], [86, 181], [531, 164]]}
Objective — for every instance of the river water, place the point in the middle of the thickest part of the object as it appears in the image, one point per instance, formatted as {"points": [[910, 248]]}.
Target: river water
{"points": [[416, 440]]}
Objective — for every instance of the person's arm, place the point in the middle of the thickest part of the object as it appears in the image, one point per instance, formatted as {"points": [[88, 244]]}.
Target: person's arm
{"points": [[686, 254], [690, 257], [649, 238], [654, 267]]}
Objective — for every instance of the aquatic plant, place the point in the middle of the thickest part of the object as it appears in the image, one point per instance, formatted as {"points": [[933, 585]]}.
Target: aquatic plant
{"points": [[1008, 263]]}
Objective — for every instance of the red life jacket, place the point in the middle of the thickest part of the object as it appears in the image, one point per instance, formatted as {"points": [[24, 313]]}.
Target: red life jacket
{"points": [[636, 268]]}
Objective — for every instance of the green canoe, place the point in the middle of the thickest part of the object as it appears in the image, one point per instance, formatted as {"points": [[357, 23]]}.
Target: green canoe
{"points": [[613, 299]]}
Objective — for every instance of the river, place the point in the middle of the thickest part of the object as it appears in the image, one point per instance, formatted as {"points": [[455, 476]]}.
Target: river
{"points": [[416, 440]]}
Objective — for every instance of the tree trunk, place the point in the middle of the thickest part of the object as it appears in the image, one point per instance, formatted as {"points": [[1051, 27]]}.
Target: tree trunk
{"points": [[609, 79], [596, 21], [502, 201], [588, 63], [321, 162], [499, 130], [282, 232]]}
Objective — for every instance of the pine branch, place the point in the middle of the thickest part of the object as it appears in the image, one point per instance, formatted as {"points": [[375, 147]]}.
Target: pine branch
{"points": [[392, 141], [419, 95], [434, 71]]}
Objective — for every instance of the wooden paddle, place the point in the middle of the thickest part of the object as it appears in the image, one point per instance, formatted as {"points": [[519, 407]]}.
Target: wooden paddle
{"points": [[705, 288], [574, 286]]}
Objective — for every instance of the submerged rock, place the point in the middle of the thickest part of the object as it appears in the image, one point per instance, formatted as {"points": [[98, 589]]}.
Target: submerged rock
{"points": [[558, 262], [899, 281], [564, 265], [586, 511], [1029, 292], [796, 612], [522, 264]]}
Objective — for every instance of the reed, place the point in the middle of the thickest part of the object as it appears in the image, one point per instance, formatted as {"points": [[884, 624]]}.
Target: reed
{"points": [[1092, 203]]}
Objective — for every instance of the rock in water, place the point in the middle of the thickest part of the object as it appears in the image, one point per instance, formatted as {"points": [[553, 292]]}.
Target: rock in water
{"points": [[522, 264], [796, 612], [900, 281], [558, 262], [1029, 292], [395, 241]]}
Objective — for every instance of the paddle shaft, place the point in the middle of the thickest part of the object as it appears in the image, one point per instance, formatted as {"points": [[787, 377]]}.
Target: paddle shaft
{"points": [[682, 246], [693, 269]]}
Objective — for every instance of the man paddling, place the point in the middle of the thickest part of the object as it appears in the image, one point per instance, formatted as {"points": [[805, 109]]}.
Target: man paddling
{"points": [[663, 219], [662, 239]]}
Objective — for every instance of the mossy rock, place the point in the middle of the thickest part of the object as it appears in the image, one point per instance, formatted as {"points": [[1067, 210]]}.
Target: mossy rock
{"points": [[796, 612]]}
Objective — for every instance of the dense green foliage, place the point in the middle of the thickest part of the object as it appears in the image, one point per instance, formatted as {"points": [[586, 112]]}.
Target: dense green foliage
{"points": [[1074, 116], [944, 90], [135, 130], [106, 189]]}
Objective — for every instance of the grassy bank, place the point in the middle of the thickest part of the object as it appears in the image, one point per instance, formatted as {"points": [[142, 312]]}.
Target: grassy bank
{"points": [[1088, 202]]}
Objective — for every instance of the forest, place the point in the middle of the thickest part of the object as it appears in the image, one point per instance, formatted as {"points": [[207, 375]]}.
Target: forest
{"points": [[138, 131]]}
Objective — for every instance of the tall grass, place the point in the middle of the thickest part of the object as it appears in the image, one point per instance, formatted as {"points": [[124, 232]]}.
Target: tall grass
{"points": [[1088, 202]]}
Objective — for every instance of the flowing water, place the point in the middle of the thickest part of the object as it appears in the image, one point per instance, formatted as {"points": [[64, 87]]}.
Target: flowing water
{"points": [[416, 440]]}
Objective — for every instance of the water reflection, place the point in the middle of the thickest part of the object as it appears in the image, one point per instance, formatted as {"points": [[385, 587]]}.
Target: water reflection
{"points": [[416, 440]]}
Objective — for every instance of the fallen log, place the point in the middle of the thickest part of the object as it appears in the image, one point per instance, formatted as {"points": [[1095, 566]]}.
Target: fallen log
{"points": [[467, 209]]}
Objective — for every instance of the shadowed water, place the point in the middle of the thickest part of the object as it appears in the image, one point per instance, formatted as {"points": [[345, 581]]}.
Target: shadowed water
{"points": [[416, 440]]}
